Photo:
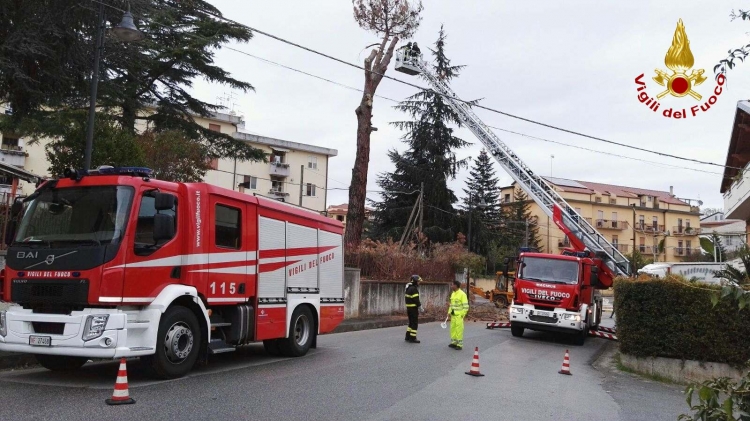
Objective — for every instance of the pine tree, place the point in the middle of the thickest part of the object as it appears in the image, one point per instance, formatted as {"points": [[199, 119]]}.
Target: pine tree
{"points": [[514, 232], [482, 185], [429, 159]]}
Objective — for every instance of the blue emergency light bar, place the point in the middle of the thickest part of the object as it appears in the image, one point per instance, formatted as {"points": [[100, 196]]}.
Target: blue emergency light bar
{"points": [[108, 170]]}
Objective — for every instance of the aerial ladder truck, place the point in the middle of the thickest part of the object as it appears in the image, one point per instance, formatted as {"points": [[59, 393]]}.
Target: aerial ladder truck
{"points": [[551, 292]]}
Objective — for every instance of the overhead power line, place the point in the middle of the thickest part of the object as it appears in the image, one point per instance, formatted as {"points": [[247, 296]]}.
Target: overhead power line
{"points": [[458, 99]]}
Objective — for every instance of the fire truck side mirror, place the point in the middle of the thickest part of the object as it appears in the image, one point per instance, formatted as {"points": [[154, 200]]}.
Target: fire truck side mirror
{"points": [[164, 201], [163, 227]]}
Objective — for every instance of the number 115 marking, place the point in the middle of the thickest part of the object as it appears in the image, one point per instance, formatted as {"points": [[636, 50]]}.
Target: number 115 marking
{"points": [[223, 287]]}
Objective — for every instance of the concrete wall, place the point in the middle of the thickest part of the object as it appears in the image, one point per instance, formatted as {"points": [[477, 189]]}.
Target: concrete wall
{"points": [[366, 298], [678, 371]]}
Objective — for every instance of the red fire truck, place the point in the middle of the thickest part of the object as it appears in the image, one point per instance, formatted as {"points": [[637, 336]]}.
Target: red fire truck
{"points": [[551, 292], [111, 263]]}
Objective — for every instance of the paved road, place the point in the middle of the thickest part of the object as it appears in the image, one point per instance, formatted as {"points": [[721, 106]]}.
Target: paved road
{"points": [[365, 375]]}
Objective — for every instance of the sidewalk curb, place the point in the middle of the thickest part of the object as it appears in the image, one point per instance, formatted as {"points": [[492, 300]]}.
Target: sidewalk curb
{"points": [[356, 325]]}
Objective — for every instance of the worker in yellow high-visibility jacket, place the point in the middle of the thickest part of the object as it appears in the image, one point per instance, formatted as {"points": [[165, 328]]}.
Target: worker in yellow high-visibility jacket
{"points": [[459, 307]]}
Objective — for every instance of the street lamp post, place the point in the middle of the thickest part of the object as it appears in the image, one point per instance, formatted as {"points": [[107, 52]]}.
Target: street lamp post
{"points": [[126, 32]]}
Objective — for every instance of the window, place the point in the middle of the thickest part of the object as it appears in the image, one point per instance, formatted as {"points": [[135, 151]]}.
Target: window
{"points": [[277, 185], [598, 199], [614, 216], [278, 157], [249, 182], [312, 163], [641, 221], [612, 201], [10, 143], [615, 240], [729, 240], [310, 189], [227, 227], [655, 222], [214, 127], [144, 230], [688, 243], [687, 223], [507, 198], [649, 198], [600, 215]]}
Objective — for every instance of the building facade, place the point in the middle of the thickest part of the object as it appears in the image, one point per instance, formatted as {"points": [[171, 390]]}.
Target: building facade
{"points": [[735, 185], [296, 173], [655, 223], [339, 212], [731, 232]]}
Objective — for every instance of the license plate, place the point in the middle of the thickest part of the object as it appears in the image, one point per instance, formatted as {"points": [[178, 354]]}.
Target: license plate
{"points": [[543, 313], [40, 340]]}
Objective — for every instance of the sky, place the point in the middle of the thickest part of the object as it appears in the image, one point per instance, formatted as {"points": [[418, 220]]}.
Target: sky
{"points": [[569, 64]]}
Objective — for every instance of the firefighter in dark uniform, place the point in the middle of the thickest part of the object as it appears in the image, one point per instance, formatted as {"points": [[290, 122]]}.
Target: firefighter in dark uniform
{"points": [[413, 307]]}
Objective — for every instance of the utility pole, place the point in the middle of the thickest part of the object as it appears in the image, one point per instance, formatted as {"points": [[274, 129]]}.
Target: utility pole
{"points": [[421, 207], [234, 175], [632, 263], [526, 233], [301, 182]]}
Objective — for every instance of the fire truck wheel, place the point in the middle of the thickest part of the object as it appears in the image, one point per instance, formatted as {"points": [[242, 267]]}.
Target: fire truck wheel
{"points": [[60, 362], [177, 344], [300, 333], [516, 331], [272, 347]]}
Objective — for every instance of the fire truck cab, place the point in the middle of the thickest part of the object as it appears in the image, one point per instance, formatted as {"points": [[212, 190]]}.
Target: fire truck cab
{"points": [[111, 263]]}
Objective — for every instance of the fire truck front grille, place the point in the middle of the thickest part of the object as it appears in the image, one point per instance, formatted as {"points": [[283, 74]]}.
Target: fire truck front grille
{"points": [[542, 319], [48, 328], [49, 292]]}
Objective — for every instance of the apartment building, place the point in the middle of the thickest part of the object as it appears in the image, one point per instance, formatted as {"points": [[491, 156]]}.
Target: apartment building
{"points": [[735, 185], [655, 223], [296, 173], [339, 212]]}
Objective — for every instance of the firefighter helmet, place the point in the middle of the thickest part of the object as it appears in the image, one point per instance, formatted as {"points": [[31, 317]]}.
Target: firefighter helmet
{"points": [[416, 279]]}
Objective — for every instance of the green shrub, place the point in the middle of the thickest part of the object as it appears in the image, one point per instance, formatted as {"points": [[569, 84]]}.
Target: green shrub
{"points": [[673, 318]]}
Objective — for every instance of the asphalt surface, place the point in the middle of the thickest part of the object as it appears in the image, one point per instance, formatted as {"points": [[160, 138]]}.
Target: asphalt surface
{"points": [[364, 375]]}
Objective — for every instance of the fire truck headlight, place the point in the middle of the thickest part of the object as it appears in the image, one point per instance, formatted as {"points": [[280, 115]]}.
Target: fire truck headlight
{"points": [[518, 310], [3, 324], [94, 326], [572, 316]]}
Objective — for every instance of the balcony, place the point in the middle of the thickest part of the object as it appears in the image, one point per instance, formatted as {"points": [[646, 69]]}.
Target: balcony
{"points": [[737, 197], [684, 251], [611, 224], [278, 193], [652, 229], [12, 155], [680, 230], [563, 243], [279, 169], [622, 248]]}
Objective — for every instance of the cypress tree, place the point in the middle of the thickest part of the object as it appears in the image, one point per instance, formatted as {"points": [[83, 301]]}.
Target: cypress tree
{"points": [[483, 187]]}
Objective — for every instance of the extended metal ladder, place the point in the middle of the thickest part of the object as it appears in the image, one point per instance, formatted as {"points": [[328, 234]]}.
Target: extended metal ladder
{"points": [[545, 196]]}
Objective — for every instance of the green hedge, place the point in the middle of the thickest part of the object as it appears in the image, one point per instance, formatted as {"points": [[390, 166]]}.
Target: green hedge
{"points": [[675, 319]]}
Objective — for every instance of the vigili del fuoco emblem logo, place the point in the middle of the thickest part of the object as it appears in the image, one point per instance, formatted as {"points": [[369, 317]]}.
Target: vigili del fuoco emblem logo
{"points": [[681, 80]]}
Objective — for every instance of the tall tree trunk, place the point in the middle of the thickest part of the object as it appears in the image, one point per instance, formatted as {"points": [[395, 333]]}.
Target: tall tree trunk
{"points": [[375, 66], [355, 215]]}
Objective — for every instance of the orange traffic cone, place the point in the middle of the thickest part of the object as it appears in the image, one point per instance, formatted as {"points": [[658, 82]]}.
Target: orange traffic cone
{"points": [[120, 396], [566, 365], [474, 371]]}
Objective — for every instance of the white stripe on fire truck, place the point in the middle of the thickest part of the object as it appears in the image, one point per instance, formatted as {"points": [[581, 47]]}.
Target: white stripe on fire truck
{"points": [[194, 259], [237, 270], [126, 299], [226, 300]]}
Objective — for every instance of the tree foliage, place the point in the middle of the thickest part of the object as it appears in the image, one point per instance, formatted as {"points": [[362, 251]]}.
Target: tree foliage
{"points": [[482, 185], [429, 159], [720, 399], [740, 53], [518, 211], [173, 157], [46, 55], [114, 146], [391, 20]]}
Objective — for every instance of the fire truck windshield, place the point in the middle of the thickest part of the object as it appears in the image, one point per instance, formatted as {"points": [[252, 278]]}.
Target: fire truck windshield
{"points": [[85, 215], [549, 270]]}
